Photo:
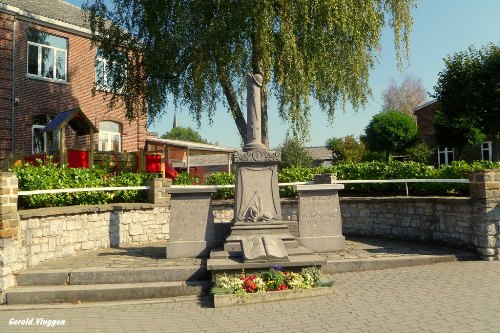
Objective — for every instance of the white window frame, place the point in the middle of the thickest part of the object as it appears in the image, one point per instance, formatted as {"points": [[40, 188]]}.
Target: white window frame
{"points": [[54, 67], [445, 151], [489, 149], [108, 137]]}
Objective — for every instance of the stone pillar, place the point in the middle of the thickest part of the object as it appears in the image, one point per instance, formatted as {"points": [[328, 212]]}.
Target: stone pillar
{"points": [[9, 230], [192, 228], [485, 195], [158, 193], [254, 112], [320, 222], [9, 219]]}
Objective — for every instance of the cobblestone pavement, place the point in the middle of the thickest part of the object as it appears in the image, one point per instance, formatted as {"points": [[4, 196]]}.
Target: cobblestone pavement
{"points": [[153, 255], [461, 296]]}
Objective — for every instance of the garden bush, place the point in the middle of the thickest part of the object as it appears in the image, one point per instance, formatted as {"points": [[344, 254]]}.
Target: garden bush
{"points": [[222, 178], [184, 178]]}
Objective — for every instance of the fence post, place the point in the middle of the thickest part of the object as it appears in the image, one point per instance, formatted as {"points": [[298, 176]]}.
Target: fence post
{"points": [[485, 195], [158, 192], [9, 230]]}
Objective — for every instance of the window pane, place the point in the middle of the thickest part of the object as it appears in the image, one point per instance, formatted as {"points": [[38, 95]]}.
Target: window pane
{"points": [[37, 140], [442, 158], [109, 126], [33, 59], [47, 39], [60, 65], [100, 73], [47, 62]]}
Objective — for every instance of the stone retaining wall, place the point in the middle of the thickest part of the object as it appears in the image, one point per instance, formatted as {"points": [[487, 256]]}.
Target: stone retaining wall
{"points": [[441, 220], [49, 233]]}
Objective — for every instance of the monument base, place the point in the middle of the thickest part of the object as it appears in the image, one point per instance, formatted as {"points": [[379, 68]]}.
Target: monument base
{"points": [[323, 244], [188, 249]]}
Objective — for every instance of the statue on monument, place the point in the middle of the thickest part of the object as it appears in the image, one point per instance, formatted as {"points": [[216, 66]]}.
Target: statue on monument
{"points": [[254, 112]]}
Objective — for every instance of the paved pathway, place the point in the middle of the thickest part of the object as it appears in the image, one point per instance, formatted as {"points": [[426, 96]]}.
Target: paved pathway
{"points": [[449, 297], [153, 255]]}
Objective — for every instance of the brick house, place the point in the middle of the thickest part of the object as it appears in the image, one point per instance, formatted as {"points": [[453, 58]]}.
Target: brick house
{"points": [[47, 66], [424, 115]]}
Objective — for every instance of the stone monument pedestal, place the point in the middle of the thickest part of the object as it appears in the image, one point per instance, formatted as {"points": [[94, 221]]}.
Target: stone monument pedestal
{"points": [[320, 223], [192, 229]]}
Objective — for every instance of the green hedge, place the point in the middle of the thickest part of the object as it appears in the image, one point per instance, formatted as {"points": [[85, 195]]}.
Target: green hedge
{"points": [[48, 176], [374, 170]]}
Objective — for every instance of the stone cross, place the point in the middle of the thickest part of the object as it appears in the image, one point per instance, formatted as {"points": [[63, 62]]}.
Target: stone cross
{"points": [[254, 112]]}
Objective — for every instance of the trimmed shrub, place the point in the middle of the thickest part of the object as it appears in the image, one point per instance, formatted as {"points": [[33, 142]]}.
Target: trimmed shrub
{"points": [[222, 178]]}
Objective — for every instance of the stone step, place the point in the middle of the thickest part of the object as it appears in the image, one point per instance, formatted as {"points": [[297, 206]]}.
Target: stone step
{"points": [[111, 275], [104, 292], [368, 264]]}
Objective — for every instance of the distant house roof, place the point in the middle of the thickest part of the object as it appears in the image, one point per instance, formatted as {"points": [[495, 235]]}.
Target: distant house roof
{"points": [[75, 118], [424, 106], [48, 10], [320, 153]]}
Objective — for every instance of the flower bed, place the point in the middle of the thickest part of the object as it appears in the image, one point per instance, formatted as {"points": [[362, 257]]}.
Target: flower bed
{"points": [[270, 285]]}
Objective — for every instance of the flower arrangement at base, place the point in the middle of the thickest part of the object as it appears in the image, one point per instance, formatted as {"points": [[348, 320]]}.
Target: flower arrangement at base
{"points": [[273, 279]]}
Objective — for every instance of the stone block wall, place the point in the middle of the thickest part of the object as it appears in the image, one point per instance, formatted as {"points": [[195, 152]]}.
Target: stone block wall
{"points": [[439, 220], [50, 233]]}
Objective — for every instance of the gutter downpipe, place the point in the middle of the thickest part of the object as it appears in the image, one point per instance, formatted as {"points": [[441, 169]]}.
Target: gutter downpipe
{"points": [[13, 84]]}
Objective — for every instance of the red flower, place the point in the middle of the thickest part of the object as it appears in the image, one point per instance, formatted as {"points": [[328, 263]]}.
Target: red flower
{"points": [[283, 287]]}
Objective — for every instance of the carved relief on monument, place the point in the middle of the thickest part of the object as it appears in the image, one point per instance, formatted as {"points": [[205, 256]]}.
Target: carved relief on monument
{"points": [[258, 201], [257, 155]]}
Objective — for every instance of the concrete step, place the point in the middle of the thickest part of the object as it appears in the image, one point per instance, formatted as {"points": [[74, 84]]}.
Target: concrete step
{"points": [[104, 292], [357, 265], [111, 275]]}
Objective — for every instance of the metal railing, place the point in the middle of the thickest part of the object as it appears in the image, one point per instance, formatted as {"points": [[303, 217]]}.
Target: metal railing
{"points": [[358, 181]]}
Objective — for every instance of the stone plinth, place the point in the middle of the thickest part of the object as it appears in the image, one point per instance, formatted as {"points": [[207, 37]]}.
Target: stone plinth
{"points": [[192, 229], [320, 223]]}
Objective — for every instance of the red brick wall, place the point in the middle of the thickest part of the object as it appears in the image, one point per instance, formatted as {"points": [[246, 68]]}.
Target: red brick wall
{"points": [[41, 96], [6, 28], [425, 122]]}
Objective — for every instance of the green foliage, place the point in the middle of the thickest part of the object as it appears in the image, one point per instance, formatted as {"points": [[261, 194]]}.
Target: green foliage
{"points": [[421, 153], [273, 278], [295, 174], [185, 178], [347, 149], [294, 154], [49, 176], [184, 134], [222, 178], [391, 132], [469, 97], [200, 52]]}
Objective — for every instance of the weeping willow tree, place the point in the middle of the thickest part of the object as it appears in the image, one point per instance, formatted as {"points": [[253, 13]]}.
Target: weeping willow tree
{"points": [[197, 52]]}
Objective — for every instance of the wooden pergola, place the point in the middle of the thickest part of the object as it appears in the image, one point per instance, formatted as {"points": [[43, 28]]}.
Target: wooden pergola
{"points": [[79, 123]]}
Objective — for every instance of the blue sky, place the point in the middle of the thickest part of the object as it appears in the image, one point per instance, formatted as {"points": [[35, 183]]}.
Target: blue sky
{"points": [[441, 28]]}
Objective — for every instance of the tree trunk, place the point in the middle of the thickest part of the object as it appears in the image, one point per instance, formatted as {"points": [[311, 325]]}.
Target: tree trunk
{"points": [[232, 100], [264, 125]]}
